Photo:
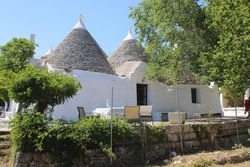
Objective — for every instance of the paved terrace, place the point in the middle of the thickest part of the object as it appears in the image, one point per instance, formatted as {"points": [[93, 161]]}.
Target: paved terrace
{"points": [[4, 121]]}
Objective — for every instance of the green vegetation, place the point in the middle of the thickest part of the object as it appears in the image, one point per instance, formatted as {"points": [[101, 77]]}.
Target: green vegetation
{"points": [[28, 85], [32, 132], [202, 163], [211, 40], [14, 57], [155, 135], [16, 54], [42, 88], [202, 130]]}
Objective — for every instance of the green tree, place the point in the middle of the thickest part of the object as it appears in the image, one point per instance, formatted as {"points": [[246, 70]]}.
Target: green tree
{"points": [[42, 88], [4, 82], [174, 33], [211, 40], [14, 56], [228, 61]]}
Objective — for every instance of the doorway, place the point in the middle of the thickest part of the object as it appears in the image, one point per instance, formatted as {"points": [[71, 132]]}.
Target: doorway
{"points": [[142, 94]]}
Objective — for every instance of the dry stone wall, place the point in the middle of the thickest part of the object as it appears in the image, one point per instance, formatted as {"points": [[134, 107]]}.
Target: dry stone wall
{"points": [[195, 137]]}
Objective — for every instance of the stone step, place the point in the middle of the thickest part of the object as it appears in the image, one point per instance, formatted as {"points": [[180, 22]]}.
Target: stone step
{"points": [[4, 152], [4, 138], [4, 132], [4, 146]]}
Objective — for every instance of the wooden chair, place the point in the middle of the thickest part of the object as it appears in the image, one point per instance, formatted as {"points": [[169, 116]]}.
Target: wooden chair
{"points": [[132, 113], [146, 113], [81, 112]]}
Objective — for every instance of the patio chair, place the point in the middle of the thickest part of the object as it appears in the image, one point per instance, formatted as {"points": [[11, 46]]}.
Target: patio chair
{"points": [[81, 112], [132, 113], [146, 113]]}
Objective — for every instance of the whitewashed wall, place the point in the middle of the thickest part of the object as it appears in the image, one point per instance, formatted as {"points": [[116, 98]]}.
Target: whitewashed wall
{"points": [[97, 89]]}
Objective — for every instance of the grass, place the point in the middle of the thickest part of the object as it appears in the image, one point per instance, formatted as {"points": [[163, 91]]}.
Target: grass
{"points": [[202, 163], [207, 159]]}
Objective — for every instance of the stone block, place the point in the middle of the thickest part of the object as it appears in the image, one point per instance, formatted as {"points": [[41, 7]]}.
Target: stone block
{"points": [[192, 136], [174, 117], [244, 124], [17, 164], [37, 157], [168, 146], [46, 158], [188, 145], [234, 159], [205, 142], [228, 132], [172, 129], [34, 164], [173, 137], [19, 157], [51, 165], [243, 130], [27, 157], [187, 129], [195, 144], [221, 161], [229, 125], [185, 136]]}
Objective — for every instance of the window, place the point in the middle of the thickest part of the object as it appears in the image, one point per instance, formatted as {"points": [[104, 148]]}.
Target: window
{"points": [[194, 95], [142, 91], [164, 117]]}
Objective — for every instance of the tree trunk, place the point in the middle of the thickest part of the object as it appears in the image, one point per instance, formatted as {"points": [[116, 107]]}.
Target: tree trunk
{"points": [[8, 105], [41, 107], [20, 107]]}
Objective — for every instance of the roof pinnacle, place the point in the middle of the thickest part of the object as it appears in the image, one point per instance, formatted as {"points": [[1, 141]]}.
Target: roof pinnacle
{"points": [[81, 18], [80, 24], [130, 30], [130, 35], [49, 51]]}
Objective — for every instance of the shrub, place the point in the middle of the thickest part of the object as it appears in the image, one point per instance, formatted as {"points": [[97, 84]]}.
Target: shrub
{"points": [[34, 132], [155, 134], [26, 129]]}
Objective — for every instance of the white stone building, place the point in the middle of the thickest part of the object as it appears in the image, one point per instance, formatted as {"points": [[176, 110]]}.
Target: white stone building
{"points": [[124, 70]]}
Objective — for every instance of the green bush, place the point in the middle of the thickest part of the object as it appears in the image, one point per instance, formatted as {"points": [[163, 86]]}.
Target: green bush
{"points": [[155, 134], [34, 132], [26, 130]]}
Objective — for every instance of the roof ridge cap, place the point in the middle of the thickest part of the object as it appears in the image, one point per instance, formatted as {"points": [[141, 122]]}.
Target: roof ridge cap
{"points": [[130, 35], [80, 24]]}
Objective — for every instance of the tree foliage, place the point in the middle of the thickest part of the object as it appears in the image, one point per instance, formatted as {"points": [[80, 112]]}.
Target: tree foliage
{"points": [[211, 40], [41, 87], [5, 78], [28, 85], [16, 54], [228, 61]]}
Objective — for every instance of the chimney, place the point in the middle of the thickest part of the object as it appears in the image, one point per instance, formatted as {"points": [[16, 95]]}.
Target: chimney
{"points": [[32, 38]]}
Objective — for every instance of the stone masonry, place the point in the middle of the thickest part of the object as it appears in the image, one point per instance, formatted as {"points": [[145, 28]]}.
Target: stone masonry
{"points": [[195, 137]]}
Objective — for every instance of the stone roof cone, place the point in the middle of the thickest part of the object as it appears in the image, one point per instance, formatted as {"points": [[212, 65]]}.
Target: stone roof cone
{"points": [[79, 50], [128, 50]]}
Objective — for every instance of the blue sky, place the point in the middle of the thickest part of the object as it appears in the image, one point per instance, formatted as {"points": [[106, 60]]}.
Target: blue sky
{"points": [[52, 20]]}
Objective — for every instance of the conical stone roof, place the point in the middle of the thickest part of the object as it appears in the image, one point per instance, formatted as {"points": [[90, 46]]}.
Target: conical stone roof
{"points": [[128, 50], [79, 50]]}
